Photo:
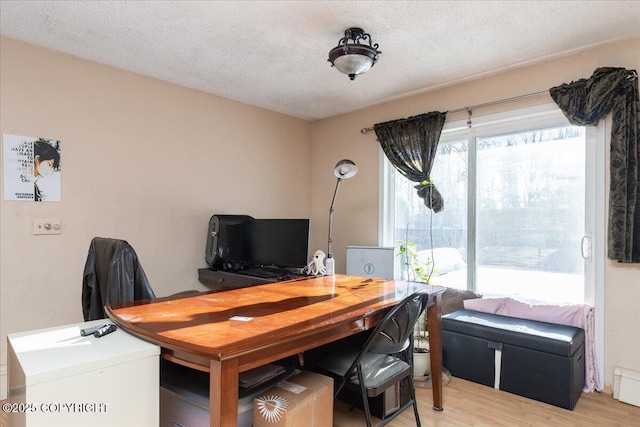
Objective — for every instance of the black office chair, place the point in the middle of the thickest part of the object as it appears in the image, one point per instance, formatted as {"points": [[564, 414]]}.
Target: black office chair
{"points": [[112, 274], [384, 360]]}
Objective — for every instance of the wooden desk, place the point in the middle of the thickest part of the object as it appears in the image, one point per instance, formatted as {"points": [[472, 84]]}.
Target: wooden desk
{"points": [[286, 318]]}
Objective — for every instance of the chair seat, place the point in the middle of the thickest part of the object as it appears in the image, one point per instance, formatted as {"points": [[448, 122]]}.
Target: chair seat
{"points": [[379, 371]]}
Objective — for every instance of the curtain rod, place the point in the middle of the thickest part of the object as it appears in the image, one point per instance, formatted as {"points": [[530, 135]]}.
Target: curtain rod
{"points": [[364, 131]]}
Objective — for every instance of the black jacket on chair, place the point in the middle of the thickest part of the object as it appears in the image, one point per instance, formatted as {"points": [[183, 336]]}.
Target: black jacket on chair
{"points": [[112, 274]]}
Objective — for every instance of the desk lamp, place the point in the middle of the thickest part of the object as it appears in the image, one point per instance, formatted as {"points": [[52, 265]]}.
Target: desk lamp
{"points": [[344, 169]]}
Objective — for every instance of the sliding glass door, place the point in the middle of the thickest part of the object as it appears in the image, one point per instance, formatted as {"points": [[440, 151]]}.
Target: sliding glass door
{"points": [[530, 214]]}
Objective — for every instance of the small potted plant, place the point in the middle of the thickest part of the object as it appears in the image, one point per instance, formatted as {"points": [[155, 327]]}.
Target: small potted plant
{"points": [[417, 270], [421, 356]]}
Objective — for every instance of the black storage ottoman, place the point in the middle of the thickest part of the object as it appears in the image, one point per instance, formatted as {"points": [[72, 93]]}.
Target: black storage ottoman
{"points": [[538, 360]]}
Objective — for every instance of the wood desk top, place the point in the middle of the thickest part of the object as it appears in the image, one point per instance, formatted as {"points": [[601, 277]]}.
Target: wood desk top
{"points": [[234, 323]]}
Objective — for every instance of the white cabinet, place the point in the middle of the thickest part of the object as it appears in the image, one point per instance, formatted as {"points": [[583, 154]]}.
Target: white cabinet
{"points": [[59, 378]]}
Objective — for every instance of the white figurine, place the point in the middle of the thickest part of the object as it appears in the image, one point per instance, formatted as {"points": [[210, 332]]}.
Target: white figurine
{"points": [[316, 265]]}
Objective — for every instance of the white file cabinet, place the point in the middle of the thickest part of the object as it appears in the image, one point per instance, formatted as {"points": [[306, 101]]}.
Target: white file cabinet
{"points": [[59, 378]]}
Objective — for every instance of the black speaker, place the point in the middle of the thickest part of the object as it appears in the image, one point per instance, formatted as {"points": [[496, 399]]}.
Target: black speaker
{"points": [[225, 241]]}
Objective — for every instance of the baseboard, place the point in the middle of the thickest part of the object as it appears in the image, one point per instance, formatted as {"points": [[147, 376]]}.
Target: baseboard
{"points": [[608, 388], [626, 385], [3, 382]]}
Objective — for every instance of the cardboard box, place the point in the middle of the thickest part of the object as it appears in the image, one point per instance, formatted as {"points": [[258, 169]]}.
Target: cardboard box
{"points": [[303, 400]]}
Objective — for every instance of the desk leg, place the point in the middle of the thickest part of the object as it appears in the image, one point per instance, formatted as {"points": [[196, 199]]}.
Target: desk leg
{"points": [[223, 393], [434, 324]]}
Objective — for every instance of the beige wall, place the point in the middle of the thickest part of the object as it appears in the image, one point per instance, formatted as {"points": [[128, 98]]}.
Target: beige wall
{"points": [[356, 215], [142, 160]]}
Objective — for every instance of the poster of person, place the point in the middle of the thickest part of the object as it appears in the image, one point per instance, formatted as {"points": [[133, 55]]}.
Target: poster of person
{"points": [[31, 168]]}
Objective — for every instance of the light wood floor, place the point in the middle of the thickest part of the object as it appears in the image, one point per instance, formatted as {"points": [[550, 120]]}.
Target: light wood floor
{"points": [[469, 404]]}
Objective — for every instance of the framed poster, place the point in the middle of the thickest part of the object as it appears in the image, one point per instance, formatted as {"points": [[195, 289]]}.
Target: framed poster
{"points": [[31, 169]]}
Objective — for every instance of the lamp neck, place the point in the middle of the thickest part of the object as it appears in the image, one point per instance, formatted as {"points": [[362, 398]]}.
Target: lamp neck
{"points": [[335, 192]]}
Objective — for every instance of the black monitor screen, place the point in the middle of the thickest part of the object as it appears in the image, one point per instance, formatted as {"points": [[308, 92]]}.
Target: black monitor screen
{"points": [[278, 242]]}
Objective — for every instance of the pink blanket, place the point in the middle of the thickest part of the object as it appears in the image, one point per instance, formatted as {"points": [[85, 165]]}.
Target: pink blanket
{"points": [[580, 315]]}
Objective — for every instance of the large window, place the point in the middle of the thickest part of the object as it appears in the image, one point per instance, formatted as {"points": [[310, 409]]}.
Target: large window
{"points": [[518, 221]]}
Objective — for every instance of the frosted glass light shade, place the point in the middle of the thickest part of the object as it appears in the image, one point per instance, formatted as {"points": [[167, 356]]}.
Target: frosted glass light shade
{"points": [[353, 64]]}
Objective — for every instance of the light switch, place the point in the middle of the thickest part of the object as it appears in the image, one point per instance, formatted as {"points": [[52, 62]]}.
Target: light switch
{"points": [[47, 226]]}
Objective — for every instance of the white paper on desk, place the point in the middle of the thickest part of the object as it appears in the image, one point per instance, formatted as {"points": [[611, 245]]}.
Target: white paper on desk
{"points": [[241, 318]]}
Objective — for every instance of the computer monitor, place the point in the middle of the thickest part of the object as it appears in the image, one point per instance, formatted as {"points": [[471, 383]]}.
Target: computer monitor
{"points": [[277, 242]]}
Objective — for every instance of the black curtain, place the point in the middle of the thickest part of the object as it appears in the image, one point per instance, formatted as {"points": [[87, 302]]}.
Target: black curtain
{"points": [[584, 103], [410, 145]]}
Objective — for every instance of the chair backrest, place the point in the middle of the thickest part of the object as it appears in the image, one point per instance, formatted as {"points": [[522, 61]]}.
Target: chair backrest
{"points": [[112, 274], [393, 333]]}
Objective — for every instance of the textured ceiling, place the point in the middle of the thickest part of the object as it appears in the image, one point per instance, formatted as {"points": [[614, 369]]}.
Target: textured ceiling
{"points": [[273, 54]]}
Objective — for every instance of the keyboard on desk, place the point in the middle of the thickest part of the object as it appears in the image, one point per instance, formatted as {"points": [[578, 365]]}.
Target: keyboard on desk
{"points": [[268, 273]]}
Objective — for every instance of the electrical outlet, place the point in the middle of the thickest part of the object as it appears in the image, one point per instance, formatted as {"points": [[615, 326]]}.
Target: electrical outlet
{"points": [[47, 226]]}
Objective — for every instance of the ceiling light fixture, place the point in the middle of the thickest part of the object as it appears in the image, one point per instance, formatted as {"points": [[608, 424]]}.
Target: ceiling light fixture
{"points": [[352, 57]]}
